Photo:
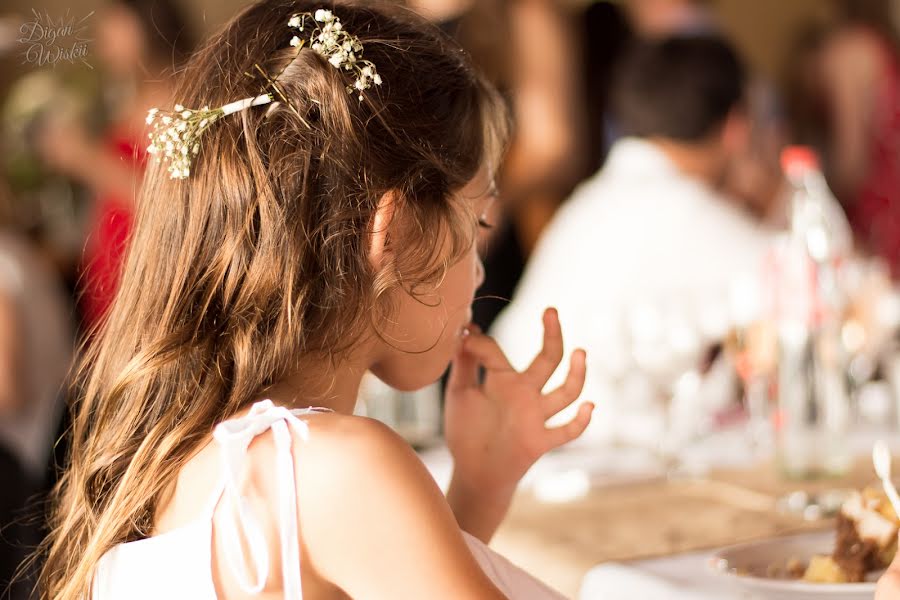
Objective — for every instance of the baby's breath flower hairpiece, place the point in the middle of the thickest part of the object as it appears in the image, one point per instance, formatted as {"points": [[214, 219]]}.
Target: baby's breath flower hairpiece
{"points": [[342, 50], [175, 137], [176, 134]]}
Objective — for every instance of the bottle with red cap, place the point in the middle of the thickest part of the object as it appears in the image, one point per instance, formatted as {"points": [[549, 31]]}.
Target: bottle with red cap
{"points": [[816, 216], [813, 399]]}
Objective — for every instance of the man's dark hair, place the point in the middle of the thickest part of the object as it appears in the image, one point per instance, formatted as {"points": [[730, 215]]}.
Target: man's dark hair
{"points": [[680, 88]]}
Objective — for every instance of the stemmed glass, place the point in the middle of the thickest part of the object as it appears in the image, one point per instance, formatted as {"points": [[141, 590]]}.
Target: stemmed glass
{"points": [[752, 346], [666, 345]]}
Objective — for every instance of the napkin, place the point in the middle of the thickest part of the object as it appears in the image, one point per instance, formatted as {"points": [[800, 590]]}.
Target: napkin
{"points": [[612, 581]]}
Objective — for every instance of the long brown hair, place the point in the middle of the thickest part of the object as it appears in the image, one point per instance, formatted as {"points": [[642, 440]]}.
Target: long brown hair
{"points": [[258, 260]]}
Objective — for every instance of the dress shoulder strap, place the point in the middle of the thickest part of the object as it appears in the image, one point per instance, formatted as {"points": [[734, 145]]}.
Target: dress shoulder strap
{"points": [[234, 437]]}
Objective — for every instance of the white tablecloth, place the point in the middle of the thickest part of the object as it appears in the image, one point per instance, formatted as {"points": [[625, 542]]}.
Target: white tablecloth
{"points": [[679, 577]]}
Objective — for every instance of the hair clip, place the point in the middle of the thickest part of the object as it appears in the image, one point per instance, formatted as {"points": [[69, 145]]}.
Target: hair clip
{"points": [[175, 137]]}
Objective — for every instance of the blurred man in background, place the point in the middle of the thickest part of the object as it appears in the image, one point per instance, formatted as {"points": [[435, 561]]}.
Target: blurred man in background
{"points": [[612, 28], [641, 260], [657, 19]]}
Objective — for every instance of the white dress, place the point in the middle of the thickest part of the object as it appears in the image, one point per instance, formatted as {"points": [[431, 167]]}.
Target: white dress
{"points": [[177, 564]]}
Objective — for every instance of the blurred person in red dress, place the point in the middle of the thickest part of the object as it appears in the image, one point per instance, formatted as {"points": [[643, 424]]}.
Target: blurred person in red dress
{"points": [[847, 102], [139, 42]]}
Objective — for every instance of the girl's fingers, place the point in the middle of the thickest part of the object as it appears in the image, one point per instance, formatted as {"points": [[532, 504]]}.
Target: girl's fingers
{"points": [[557, 436], [571, 388], [463, 372], [486, 352], [545, 363]]}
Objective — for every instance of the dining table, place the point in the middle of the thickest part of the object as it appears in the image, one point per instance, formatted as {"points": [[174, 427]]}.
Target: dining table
{"points": [[614, 522]]}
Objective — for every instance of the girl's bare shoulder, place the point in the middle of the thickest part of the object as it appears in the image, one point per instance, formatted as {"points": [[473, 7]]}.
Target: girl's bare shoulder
{"points": [[367, 504], [345, 465], [346, 454]]}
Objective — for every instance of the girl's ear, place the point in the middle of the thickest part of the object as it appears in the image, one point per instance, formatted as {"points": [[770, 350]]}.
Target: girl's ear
{"points": [[381, 222]]}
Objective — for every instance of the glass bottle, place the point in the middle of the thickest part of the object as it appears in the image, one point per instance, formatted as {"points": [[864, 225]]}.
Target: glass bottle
{"points": [[813, 396]]}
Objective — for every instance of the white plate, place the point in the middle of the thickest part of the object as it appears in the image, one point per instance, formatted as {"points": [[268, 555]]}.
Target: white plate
{"points": [[756, 557]]}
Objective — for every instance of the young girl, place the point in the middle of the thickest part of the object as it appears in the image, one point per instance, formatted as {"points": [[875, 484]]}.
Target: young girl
{"points": [[319, 224]]}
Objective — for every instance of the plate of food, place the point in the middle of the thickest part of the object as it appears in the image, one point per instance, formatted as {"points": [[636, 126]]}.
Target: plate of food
{"points": [[841, 564]]}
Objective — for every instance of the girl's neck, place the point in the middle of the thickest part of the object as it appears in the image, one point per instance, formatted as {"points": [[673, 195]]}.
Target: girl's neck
{"points": [[322, 384]]}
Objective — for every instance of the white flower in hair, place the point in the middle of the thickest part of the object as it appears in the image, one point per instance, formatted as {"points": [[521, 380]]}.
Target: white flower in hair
{"points": [[339, 48], [175, 135]]}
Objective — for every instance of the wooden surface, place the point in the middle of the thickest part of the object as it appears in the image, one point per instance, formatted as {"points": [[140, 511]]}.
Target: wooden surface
{"points": [[559, 543]]}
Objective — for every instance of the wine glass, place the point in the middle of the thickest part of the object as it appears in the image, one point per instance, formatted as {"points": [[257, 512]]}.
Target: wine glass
{"points": [[752, 346], [666, 346]]}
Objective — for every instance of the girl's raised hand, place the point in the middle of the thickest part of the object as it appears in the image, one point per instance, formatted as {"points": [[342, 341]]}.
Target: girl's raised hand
{"points": [[496, 427]]}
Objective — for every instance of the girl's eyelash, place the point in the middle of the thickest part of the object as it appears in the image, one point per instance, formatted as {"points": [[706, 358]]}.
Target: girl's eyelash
{"points": [[484, 224]]}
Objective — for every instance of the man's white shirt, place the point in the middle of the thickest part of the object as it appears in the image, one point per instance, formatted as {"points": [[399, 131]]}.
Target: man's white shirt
{"points": [[642, 263]]}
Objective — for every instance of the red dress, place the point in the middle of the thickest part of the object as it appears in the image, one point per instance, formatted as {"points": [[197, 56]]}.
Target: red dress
{"points": [[106, 244], [875, 214]]}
